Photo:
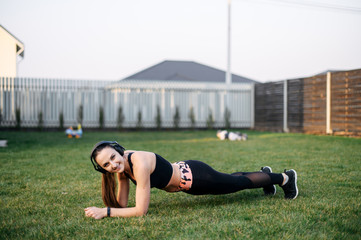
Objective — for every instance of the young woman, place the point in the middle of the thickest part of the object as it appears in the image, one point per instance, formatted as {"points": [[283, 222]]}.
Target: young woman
{"points": [[147, 170]]}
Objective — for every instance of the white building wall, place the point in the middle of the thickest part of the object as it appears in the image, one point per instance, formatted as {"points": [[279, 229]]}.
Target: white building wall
{"points": [[10, 48]]}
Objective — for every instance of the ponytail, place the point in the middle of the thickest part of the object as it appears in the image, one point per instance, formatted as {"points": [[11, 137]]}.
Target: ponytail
{"points": [[108, 190]]}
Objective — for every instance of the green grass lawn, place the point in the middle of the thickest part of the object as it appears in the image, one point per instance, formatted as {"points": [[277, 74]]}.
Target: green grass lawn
{"points": [[46, 180]]}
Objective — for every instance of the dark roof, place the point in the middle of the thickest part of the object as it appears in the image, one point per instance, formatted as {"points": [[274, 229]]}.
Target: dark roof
{"points": [[185, 71]]}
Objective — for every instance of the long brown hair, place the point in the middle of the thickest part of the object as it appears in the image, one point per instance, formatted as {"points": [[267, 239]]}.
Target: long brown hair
{"points": [[108, 190], [109, 183]]}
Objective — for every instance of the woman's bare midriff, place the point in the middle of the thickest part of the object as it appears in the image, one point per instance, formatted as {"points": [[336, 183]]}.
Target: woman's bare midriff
{"points": [[173, 185]]}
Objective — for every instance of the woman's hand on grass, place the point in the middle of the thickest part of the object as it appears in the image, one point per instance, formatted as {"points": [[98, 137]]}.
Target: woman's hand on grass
{"points": [[96, 213]]}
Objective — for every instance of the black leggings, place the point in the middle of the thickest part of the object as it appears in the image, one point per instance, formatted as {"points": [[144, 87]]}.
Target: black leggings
{"points": [[206, 180]]}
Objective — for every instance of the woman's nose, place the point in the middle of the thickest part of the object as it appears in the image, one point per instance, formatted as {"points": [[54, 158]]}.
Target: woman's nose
{"points": [[114, 165]]}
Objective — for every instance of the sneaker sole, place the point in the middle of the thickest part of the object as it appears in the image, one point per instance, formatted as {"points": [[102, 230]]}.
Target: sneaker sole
{"points": [[273, 184], [295, 184], [268, 167]]}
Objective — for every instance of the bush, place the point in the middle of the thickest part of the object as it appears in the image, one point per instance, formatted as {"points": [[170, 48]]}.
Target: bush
{"points": [[227, 118], [120, 118], [101, 117], [1, 116], [40, 121], [158, 118], [210, 120], [61, 120], [139, 122], [18, 118], [80, 114], [192, 118], [176, 118]]}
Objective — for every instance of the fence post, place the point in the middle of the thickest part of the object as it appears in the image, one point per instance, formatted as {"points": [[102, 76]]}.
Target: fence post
{"points": [[253, 106], [328, 104], [11, 85], [285, 105]]}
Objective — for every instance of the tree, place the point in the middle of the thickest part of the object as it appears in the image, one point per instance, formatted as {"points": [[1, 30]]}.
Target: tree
{"points": [[1, 116], [80, 114], [120, 118], [139, 122], [101, 117], [158, 118], [227, 118], [210, 120], [176, 118], [61, 120], [18, 117], [40, 121], [192, 117]]}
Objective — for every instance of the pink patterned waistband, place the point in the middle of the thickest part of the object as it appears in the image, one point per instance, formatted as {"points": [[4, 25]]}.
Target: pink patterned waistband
{"points": [[186, 176]]}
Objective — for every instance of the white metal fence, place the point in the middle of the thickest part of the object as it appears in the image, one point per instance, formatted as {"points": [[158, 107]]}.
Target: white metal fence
{"points": [[52, 97]]}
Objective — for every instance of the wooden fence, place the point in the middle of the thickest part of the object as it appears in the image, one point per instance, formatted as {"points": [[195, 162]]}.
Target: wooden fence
{"points": [[328, 103], [269, 106], [346, 102]]}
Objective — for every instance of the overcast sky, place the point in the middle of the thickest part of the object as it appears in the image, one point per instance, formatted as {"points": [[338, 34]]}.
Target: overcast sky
{"points": [[112, 39]]}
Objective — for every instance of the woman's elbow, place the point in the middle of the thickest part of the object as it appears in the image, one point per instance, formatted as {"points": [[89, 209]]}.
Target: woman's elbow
{"points": [[141, 212], [123, 205]]}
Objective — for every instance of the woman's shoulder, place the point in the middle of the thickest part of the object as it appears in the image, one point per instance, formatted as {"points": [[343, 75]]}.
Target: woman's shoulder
{"points": [[142, 154], [143, 158], [139, 155]]}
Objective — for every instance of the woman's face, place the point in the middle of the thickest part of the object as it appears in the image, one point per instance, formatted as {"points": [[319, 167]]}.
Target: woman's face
{"points": [[110, 160]]}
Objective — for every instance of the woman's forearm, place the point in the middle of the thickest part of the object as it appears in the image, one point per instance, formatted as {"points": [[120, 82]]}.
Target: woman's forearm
{"points": [[99, 213], [127, 212], [122, 198], [123, 192]]}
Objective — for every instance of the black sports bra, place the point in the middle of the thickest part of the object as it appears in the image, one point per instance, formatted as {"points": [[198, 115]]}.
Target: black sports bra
{"points": [[161, 175]]}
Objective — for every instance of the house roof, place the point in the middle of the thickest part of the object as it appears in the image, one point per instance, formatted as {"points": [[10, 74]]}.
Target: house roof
{"points": [[185, 71]]}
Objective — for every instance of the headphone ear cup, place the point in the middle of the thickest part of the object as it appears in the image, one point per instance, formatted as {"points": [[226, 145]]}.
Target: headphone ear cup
{"points": [[119, 149]]}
